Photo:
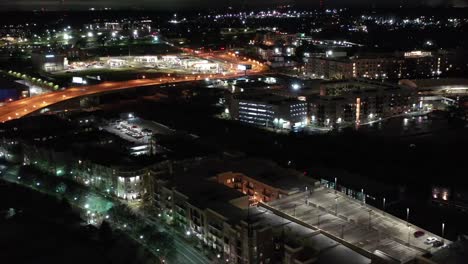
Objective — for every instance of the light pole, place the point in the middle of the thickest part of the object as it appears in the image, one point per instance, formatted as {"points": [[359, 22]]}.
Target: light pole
{"points": [[336, 187], [443, 229], [407, 216], [363, 196], [409, 228], [336, 206], [384, 204]]}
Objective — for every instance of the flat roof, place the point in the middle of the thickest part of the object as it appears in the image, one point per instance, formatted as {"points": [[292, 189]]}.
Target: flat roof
{"points": [[342, 216], [444, 83], [316, 245]]}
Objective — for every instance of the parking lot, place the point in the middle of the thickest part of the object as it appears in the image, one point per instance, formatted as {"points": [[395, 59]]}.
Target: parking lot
{"points": [[357, 223], [129, 131], [176, 63]]}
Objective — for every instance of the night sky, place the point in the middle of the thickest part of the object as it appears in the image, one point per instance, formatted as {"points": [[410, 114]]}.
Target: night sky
{"points": [[197, 4]]}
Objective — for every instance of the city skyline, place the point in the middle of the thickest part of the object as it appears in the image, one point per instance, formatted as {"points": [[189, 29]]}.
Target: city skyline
{"points": [[201, 4], [187, 132]]}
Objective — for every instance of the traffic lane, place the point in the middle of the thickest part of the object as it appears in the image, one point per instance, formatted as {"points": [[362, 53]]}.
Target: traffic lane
{"points": [[23, 107]]}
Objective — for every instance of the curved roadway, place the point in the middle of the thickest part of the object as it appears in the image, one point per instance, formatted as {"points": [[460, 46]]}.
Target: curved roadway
{"points": [[23, 107]]}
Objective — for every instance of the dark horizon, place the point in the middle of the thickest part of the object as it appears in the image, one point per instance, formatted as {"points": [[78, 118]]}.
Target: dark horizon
{"points": [[170, 5]]}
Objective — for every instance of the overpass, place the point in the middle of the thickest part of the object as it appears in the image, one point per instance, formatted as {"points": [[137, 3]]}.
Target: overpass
{"points": [[26, 106]]}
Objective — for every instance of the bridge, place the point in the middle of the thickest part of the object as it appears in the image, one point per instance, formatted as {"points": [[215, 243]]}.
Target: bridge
{"points": [[23, 107]]}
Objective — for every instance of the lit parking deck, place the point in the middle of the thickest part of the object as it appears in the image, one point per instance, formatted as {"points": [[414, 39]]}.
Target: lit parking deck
{"points": [[357, 223]]}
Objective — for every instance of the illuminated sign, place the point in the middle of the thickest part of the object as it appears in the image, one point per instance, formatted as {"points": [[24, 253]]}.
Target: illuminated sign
{"points": [[50, 56], [417, 53], [78, 80], [244, 67]]}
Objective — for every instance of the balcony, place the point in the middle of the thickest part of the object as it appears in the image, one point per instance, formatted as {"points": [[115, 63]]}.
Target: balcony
{"points": [[216, 227]]}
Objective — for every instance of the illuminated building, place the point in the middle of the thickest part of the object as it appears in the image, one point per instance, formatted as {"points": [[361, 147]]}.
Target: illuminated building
{"points": [[360, 101], [48, 62], [268, 110], [415, 64]]}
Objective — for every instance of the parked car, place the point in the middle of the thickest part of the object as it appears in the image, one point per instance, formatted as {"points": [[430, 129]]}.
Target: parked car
{"points": [[430, 240], [437, 244], [418, 234]]}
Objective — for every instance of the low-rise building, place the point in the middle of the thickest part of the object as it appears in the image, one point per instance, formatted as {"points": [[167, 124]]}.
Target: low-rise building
{"points": [[268, 110], [48, 62], [360, 101]]}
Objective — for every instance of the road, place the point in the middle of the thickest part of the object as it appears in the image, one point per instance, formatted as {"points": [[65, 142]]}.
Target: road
{"points": [[26, 106]]}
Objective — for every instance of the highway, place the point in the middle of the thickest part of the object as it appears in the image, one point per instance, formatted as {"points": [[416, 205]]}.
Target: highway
{"points": [[26, 106], [20, 108]]}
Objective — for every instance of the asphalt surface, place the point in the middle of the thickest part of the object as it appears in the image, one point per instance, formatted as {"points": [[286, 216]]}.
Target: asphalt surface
{"points": [[357, 223], [26, 106]]}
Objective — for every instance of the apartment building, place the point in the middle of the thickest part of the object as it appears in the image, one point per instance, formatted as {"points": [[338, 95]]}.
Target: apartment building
{"points": [[200, 203], [414, 64], [360, 101]]}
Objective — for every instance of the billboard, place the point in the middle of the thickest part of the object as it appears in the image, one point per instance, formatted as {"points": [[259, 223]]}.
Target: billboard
{"points": [[244, 67], [78, 80]]}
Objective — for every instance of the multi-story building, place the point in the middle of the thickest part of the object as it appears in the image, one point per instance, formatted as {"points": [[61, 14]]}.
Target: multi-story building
{"points": [[277, 56], [48, 62], [380, 66], [269, 38], [268, 110], [199, 203], [359, 101], [89, 157], [257, 189]]}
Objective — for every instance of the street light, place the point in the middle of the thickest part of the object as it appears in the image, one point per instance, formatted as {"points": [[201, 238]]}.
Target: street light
{"points": [[336, 187], [443, 229], [384, 204], [296, 86], [336, 206], [409, 228], [363, 196], [407, 216]]}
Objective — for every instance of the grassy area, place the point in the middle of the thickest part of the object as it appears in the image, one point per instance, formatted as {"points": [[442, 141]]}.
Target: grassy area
{"points": [[46, 230]]}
